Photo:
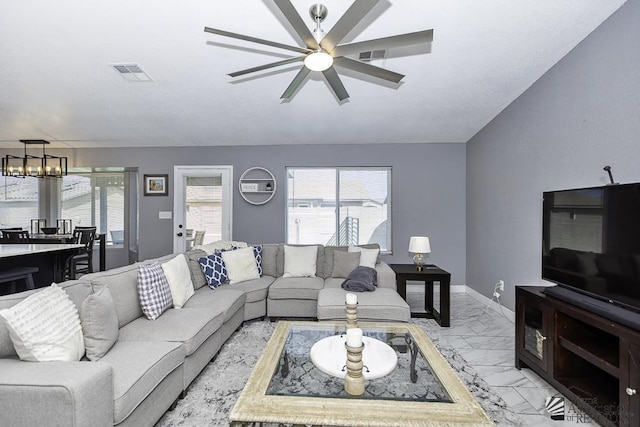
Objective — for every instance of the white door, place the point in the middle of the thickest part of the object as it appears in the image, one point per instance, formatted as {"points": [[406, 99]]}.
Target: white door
{"points": [[202, 205]]}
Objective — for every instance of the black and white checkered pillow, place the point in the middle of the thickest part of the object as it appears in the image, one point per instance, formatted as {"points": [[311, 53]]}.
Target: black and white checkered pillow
{"points": [[153, 290]]}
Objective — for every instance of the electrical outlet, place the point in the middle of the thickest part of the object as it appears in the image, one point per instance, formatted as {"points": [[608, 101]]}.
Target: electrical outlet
{"points": [[500, 285]]}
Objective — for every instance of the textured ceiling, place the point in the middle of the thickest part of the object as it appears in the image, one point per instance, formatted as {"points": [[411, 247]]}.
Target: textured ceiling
{"points": [[57, 83]]}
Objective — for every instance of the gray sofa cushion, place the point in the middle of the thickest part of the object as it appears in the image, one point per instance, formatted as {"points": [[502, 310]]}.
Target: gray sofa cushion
{"points": [[122, 284], [190, 326], [296, 288], [223, 299], [270, 260], [344, 263], [329, 257], [138, 367], [381, 305], [197, 277], [255, 290], [99, 323]]}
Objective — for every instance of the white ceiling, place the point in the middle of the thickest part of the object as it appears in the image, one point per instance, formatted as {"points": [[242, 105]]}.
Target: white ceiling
{"points": [[56, 81]]}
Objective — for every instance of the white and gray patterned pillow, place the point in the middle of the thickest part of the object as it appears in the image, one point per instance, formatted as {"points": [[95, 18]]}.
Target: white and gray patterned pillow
{"points": [[153, 290]]}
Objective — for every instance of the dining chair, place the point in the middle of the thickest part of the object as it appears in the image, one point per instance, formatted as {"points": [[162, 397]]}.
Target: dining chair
{"points": [[15, 235], [199, 237], [82, 262]]}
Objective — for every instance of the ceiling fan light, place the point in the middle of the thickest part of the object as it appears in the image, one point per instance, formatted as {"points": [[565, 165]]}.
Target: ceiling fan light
{"points": [[318, 61]]}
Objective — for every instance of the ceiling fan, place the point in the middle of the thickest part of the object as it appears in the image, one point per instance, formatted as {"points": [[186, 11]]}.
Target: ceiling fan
{"points": [[321, 52]]}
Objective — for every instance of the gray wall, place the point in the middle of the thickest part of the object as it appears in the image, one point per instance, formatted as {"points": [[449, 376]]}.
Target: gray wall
{"points": [[428, 193], [580, 116]]}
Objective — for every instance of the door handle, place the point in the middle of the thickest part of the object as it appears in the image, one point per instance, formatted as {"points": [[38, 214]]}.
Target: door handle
{"points": [[179, 234]]}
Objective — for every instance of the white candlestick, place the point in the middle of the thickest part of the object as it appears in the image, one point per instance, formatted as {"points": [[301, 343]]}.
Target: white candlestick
{"points": [[354, 337], [352, 299]]}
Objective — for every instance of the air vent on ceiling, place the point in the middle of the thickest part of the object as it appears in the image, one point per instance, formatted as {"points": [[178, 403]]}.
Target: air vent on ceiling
{"points": [[132, 72], [371, 55]]}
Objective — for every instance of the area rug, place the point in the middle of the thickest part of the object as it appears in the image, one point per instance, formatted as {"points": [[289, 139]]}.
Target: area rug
{"points": [[213, 393]]}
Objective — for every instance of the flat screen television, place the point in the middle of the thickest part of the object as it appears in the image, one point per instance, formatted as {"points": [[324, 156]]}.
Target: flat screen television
{"points": [[591, 245]]}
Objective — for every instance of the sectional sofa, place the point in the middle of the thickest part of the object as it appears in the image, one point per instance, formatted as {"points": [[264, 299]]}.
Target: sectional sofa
{"points": [[151, 363]]}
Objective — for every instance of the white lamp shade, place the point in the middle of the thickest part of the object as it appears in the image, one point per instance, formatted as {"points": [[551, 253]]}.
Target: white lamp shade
{"points": [[419, 245]]}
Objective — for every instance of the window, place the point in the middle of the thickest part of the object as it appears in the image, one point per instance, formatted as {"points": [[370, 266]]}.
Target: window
{"points": [[96, 198], [204, 207], [339, 206], [18, 202]]}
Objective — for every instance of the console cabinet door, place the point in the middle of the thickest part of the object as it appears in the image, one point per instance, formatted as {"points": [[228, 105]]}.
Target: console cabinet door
{"points": [[533, 328], [631, 412]]}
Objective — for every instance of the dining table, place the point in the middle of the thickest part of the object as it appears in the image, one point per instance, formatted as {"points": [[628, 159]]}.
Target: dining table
{"points": [[49, 258]]}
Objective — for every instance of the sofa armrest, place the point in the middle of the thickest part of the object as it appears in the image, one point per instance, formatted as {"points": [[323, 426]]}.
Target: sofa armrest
{"points": [[55, 393], [386, 276]]}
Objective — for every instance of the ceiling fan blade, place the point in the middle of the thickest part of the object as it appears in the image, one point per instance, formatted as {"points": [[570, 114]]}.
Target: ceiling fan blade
{"points": [[384, 43], [350, 19], [297, 81], [297, 23], [255, 40], [336, 84], [369, 69], [267, 66]]}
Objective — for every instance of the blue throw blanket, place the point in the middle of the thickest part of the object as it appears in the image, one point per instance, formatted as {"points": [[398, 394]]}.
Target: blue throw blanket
{"points": [[362, 279]]}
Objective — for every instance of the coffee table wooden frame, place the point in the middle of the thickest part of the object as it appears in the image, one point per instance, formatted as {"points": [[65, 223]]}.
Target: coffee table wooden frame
{"points": [[254, 406]]}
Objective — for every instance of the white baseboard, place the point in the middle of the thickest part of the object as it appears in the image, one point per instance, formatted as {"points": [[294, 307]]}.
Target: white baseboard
{"points": [[492, 304], [463, 289]]}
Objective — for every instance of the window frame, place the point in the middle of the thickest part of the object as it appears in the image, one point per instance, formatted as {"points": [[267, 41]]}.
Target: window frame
{"points": [[338, 203]]}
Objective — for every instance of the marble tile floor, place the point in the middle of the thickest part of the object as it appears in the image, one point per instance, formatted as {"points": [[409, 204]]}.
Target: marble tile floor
{"points": [[486, 339]]}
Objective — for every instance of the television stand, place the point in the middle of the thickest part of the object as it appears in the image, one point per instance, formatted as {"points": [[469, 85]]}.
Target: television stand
{"points": [[591, 360]]}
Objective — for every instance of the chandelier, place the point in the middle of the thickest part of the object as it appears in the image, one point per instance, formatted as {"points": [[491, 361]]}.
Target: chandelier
{"points": [[31, 165]]}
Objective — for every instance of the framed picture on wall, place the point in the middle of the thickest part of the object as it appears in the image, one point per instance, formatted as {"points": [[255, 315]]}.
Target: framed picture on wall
{"points": [[156, 185]]}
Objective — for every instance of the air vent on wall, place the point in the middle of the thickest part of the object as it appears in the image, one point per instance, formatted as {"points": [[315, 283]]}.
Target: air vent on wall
{"points": [[371, 55], [132, 72]]}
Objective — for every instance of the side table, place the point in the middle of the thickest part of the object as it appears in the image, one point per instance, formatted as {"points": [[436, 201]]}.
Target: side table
{"points": [[428, 275]]}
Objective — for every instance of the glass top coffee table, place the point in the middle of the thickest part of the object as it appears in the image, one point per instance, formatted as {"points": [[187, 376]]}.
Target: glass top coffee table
{"points": [[286, 387]]}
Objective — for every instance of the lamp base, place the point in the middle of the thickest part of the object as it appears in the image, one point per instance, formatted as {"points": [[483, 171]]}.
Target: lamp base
{"points": [[418, 260]]}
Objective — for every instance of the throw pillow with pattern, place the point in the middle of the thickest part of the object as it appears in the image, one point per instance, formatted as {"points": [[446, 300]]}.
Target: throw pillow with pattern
{"points": [[214, 269], [257, 252], [153, 290]]}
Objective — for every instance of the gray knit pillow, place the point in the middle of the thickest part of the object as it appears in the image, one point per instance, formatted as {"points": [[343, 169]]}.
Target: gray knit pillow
{"points": [[99, 320]]}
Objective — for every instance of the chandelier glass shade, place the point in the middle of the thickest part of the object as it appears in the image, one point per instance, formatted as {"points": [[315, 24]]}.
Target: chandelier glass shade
{"points": [[43, 166]]}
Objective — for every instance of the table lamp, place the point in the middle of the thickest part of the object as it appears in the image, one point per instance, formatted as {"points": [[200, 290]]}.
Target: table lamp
{"points": [[419, 245]]}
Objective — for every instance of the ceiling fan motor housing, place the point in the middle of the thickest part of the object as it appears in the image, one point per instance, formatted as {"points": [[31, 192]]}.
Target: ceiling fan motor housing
{"points": [[318, 12]]}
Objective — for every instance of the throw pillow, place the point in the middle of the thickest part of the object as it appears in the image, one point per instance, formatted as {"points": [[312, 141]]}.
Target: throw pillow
{"points": [[197, 276], [215, 273], [99, 320], [300, 261], [257, 252], [45, 327], [344, 263], [177, 273], [241, 265], [368, 257], [153, 290]]}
